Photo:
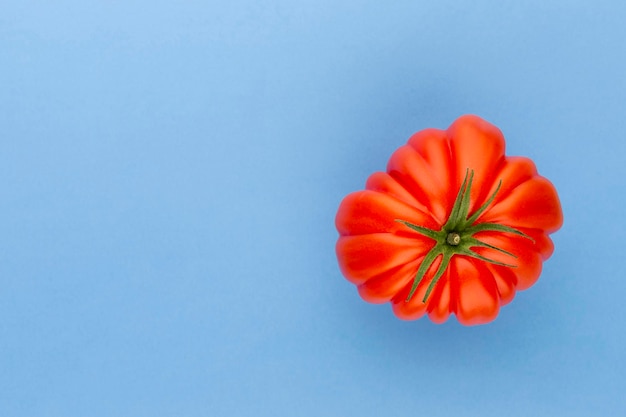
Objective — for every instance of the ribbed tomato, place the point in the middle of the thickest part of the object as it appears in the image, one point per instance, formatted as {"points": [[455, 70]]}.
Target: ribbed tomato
{"points": [[453, 227]]}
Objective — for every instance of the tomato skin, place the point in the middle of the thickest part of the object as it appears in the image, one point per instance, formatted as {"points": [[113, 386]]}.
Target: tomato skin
{"points": [[381, 256]]}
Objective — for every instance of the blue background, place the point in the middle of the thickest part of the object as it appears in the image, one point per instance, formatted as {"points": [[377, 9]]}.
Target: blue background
{"points": [[170, 173]]}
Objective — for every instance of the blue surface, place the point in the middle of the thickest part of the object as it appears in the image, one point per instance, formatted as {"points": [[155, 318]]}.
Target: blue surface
{"points": [[170, 173]]}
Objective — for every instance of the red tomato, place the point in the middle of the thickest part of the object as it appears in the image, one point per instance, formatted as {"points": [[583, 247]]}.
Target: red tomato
{"points": [[453, 226]]}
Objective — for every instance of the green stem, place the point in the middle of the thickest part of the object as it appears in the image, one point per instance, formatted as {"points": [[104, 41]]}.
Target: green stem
{"points": [[456, 236]]}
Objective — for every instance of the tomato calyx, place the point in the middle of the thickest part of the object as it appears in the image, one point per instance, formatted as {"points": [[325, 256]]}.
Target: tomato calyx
{"points": [[456, 237]]}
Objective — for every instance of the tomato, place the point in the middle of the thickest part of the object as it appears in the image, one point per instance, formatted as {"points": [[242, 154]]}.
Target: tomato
{"points": [[453, 227]]}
